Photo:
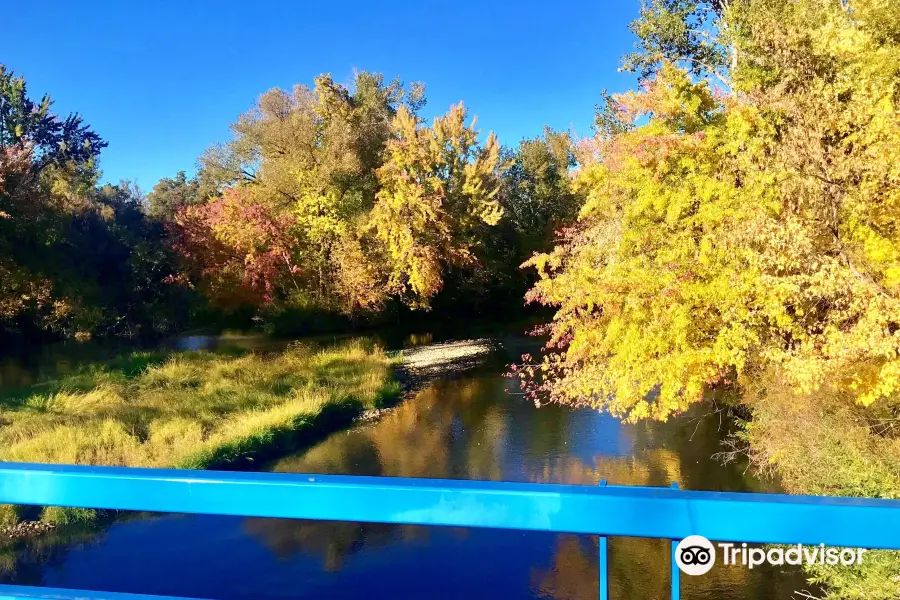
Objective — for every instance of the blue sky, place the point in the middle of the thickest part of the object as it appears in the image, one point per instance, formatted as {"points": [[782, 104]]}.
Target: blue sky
{"points": [[161, 80]]}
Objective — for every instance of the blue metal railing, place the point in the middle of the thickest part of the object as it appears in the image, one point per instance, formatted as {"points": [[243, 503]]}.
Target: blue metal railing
{"points": [[605, 510]]}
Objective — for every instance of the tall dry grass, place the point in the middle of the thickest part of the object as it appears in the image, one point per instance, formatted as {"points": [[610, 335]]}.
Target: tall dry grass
{"points": [[824, 443], [188, 410]]}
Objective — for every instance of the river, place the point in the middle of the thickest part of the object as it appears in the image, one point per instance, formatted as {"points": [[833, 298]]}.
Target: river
{"points": [[463, 425]]}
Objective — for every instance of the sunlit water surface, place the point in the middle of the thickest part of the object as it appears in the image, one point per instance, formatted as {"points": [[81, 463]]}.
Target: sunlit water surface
{"points": [[465, 426]]}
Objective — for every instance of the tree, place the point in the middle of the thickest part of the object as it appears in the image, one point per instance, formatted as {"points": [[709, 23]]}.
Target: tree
{"points": [[369, 204], [687, 33], [746, 242], [244, 250], [75, 258], [438, 191], [22, 291], [306, 160], [51, 140], [47, 165], [765, 222], [169, 195], [627, 279], [537, 190]]}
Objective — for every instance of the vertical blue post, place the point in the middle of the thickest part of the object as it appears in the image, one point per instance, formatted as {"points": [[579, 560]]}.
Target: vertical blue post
{"points": [[602, 570], [676, 572]]}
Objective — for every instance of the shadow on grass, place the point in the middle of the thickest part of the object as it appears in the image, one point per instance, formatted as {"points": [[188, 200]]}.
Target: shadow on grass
{"points": [[121, 369], [256, 452], [21, 559], [252, 452], [86, 377]]}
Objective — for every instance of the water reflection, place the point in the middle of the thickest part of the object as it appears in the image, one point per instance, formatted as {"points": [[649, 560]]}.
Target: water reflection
{"points": [[458, 429], [467, 427]]}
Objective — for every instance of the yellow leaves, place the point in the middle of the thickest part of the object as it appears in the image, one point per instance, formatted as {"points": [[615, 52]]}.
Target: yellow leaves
{"points": [[706, 248], [674, 101], [405, 124], [884, 384], [358, 279], [438, 187], [319, 216], [543, 263]]}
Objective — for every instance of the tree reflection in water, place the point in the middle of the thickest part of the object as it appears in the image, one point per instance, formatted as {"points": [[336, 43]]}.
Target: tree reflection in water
{"points": [[469, 428]]}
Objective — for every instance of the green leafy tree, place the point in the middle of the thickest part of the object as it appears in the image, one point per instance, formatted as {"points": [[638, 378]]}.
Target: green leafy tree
{"points": [[537, 190], [688, 33], [50, 140], [169, 195]]}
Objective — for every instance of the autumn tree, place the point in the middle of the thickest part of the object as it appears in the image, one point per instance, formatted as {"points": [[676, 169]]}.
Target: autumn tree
{"points": [[644, 259], [745, 237], [763, 221], [438, 192], [341, 199], [307, 160], [237, 250]]}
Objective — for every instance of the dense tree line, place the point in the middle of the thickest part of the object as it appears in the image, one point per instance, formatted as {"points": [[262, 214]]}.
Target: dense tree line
{"points": [[346, 201], [75, 257], [328, 200]]}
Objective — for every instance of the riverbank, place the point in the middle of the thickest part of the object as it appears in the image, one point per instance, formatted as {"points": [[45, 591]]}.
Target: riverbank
{"points": [[195, 410], [843, 449], [461, 424], [204, 410]]}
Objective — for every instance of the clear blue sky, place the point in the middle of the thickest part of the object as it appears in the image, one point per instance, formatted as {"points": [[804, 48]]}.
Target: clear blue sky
{"points": [[161, 80]]}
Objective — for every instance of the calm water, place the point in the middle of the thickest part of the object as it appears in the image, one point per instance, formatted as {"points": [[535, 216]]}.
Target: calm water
{"points": [[465, 427]]}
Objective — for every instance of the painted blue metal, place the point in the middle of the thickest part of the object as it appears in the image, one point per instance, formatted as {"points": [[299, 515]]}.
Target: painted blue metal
{"points": [[673, 565], [605, 510], [603, 569], [15, 592], [602, 562], [609, 510]]}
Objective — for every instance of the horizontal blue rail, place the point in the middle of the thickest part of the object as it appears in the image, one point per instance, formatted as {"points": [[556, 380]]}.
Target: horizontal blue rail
{"points": [[605, 510], [12, 592]]}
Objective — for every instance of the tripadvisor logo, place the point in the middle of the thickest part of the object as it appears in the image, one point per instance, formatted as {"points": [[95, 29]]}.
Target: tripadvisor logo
{"points": [[696, 555]]}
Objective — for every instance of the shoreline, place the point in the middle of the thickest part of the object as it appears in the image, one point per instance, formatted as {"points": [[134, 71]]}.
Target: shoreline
{"points": [[416, 368]]}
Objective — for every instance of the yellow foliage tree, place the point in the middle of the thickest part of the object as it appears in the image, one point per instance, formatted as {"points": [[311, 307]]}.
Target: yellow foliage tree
{"points": [[731, 232], [438, 190], [746, 237]]}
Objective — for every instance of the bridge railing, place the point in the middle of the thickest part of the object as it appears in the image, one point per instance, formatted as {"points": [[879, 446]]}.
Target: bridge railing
{"points": [[605, 510]]}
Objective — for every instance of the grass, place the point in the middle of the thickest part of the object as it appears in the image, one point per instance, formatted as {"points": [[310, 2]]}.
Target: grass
{"points": [[193, 410], [826, 444]]}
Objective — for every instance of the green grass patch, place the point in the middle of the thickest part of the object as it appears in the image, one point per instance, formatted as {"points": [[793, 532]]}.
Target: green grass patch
{"points": [[195, 410]]}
